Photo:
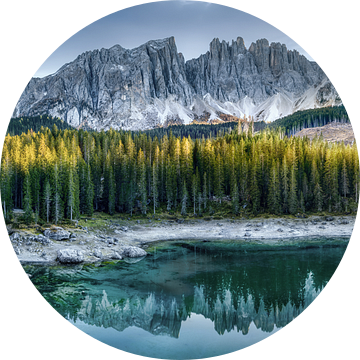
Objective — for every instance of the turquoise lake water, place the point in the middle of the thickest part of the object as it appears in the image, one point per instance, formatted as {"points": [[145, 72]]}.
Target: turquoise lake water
{"points": [[190, 300]]}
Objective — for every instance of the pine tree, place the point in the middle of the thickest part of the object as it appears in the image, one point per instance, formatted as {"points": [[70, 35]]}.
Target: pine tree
{"points": [[47, 199], [274, 198], [293, 200], [285, 186], [71, 193], [96, 174], [186, 161], [318, 198], [111, 191], [331, 180], [109, 185], [195, 187], [254, 184], [344, 179], [142, 181], [204, 196], [219, 178], [184, 200], [89, 193], [28, 214], [155, 190], [200, 201], [302, 202], [57, 207], [356, 176], [235, 199], [6, 184]]}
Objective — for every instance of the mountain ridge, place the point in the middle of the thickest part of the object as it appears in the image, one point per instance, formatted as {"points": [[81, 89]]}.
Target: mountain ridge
{"points": [[141, 88]]}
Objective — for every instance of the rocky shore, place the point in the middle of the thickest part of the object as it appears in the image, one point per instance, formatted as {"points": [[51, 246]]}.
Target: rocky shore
{"points": [[126, 239]]}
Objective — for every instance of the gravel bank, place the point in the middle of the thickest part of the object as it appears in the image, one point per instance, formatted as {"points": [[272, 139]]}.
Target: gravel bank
{"points": [[112, 241]]}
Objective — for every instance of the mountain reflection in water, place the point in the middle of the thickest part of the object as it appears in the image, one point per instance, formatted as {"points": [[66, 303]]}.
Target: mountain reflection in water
{"points": [[241, 293]]}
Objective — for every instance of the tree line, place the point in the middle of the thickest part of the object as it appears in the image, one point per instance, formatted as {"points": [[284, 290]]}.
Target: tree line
{"points": [[59, 174], [20, 125], [291, 124], [310, 118]]}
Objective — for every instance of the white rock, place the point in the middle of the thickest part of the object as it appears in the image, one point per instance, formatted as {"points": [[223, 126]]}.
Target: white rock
{"points": [[133, 251], [70, 256], [57, 233]]}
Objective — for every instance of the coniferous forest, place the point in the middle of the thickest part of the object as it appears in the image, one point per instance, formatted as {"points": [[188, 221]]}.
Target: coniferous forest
{"points": [[19, 125], [55, 174]]}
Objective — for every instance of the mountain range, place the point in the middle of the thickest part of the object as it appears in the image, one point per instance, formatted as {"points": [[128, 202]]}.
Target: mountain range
{"points": [[152, 85]]}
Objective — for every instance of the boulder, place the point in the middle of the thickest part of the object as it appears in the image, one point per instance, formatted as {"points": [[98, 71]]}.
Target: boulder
{"points": [[57, 233], [116, 256], [15, 236], [121, 228], [42, 239], [70, 256], [133, 251], [97, 253]]}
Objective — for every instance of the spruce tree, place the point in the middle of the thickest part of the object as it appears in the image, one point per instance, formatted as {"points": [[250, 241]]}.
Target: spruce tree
{"points": [[111, 191], [28, 214], [235, 199], [142, 181], [47, 199], [205, 196], [293, 200], [318, 198], [195, 187], [184, 199], [6, 184], [71, 194], [331, 180], [89, 193], [57, 202], [344, 179], [219, 178], [274, 197], [155, 185], [285, 186], [254, 184]]}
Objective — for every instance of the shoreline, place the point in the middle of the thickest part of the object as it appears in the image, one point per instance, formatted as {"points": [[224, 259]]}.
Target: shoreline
{"points": [[113, 240]]}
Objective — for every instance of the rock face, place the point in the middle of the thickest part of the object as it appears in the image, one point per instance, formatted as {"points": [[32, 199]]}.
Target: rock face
{"points": [[70, 256], [149, 85]]}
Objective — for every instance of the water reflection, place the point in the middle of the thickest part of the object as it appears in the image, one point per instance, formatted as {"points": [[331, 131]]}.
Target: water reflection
{"points": [[159, 315], [240, 293]]}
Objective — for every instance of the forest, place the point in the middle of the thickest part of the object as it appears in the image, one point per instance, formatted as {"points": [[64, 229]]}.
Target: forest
{"points": [[57, 175], [20, 125], [303, 119]]}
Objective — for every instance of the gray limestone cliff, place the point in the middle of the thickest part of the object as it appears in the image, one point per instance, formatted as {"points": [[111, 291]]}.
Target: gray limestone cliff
{"points": [[143, 87]]}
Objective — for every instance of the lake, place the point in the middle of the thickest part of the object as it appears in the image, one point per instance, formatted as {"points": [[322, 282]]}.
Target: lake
{"points": [[190, 300]]}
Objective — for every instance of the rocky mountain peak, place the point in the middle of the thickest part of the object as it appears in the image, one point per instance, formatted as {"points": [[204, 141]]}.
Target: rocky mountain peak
{"points": [[149, 85]]}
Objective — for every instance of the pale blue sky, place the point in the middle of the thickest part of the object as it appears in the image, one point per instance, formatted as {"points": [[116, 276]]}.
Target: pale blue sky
{"points": [[193, 24]]}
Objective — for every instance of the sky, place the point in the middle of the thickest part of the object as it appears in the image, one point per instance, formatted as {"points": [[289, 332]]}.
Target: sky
{"points": [[193, 24]]}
